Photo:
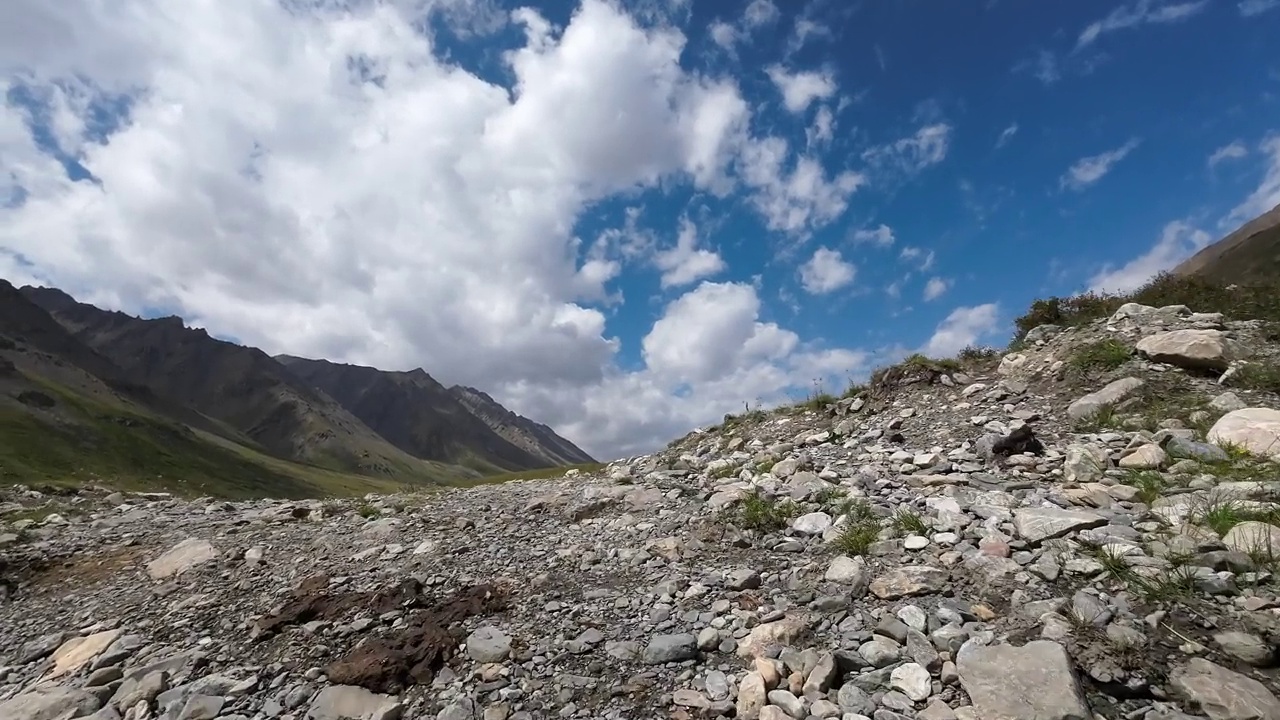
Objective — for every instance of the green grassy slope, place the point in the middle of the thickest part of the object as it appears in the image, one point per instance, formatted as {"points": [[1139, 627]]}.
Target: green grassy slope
{"points": [[79, 440]]}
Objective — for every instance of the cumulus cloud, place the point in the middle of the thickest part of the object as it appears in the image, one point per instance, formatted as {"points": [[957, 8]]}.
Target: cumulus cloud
{"points": [[1142, 12], [825, 272], [935, 288], [802, 87], [881, 236], [921, 258], [1230, 151], [965, 326], [686, 263], [1178, 241], [756, 15], [1089, 170], [321, 179], [760, 12]]}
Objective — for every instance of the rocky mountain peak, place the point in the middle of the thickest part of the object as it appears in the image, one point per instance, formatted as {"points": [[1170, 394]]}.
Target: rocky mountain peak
{"points": [[1087, 526]]}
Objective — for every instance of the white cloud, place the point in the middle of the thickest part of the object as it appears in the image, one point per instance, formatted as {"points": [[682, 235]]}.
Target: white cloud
{"points": [[826, 272], [801, 88], [760, 12], [881, 236], [910, 155], [921, 258], [823, 129], [320, 179], [1267, 194], [1178, 241], [1249, 8], [796, 200], [963, 327], [935, 288], [804, 29], [1141, 12], [685, 263], [723, 34], [1230, 151], [1089, 170], [1006, 135]]}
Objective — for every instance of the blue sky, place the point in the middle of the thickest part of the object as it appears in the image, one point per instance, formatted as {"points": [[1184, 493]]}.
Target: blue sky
{"points": [[626, 218]]}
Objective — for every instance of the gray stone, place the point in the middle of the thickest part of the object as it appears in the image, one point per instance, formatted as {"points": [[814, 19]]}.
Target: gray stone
{"points": [[847, 570], [912, 680], [1204, 452], [488, 644], [1031, 682], [53, 702], [180, 558], [1190, 349], [1223, 694], [1254, 429], [1254, 537], [1108, 396], [670, 648], [1245, 646], [1038, 524], [853, 699], [348, 702], [909, 580]]}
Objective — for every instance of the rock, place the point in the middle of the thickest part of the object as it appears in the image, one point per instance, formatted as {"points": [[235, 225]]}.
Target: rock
{"points": [[49, 702], [779, 632], [1190, 349], [1044, 523], [814, 523], [752, 695], [346, 702], [488, 644], [847, 571], [743, 579], [909, 580], [1223, 694], [1204, 452], [912, 680], [1227, 402], [181, 558], [670, 648], [1144, 457], [80, 651], [1254, 429], [1114, 392], [1245, 646], [1084, 463], [1031, 682], [1252, 536]]}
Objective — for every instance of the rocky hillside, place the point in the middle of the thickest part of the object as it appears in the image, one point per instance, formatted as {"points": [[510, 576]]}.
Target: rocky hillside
{"points": [[420, 416], [533, 437], [1251, 254], [1086, 528]]}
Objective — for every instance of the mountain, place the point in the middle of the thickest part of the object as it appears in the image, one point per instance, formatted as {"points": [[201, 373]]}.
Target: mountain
{"points": [[1249, 255], [68, 414], [534, 437], [419, 415], [242, 387]]}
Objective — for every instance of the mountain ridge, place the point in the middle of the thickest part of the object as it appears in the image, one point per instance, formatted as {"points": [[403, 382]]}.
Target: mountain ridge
{"points": [[1251, 253]]}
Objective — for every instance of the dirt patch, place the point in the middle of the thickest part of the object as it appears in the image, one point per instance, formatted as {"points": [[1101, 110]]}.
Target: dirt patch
{"points": [[34, 573], [409, 655]]}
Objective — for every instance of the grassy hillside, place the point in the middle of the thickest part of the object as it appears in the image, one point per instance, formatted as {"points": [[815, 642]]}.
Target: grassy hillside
{"points": [[60, 437], [1248, 256]]}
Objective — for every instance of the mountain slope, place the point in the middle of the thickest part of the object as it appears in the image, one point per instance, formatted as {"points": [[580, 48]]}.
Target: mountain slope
{"points": [[416, 414], [241, 386], [69, 415], [534, 437], [1249, 255]]}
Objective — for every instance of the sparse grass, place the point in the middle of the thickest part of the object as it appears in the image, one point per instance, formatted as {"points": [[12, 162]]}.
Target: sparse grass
{"points": [[765, 466], [724, 471], [1149, 483], [856, 538], [1220, 513], [829, 497], [365, 510], [760, 512], [1256, 300], [1100, 356], [907, 521], [854, 389], [1178, 582], [535, 474], [857, 510], [1235, 451], [1105, 419], [977, 353], [1258, 376]]}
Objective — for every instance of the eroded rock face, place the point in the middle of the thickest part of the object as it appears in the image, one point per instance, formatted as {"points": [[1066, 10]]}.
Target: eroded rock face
{"points": [[949, 546]]}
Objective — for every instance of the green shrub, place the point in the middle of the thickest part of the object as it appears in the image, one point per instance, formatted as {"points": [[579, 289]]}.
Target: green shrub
{"points": [[1102, 355], [759, 512], [1258, 376], [856, 538]]}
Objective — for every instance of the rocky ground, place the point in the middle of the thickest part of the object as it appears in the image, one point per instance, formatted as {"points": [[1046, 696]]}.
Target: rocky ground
{"points": [[1083, 528]]}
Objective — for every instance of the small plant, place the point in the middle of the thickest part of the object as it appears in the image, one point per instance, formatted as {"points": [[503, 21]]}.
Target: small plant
{"points": [[1148, 482], [856, 538], [724, 471], [908, 521], [1220, 514], [976, 353], [1235, 451], [829, 497], [1258, 376], [1102, 355], [1106, 418], [759, 512], [365, 510], [766, 465], [857, 510]]}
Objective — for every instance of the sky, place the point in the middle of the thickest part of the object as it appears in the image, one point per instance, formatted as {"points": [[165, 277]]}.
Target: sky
{"points": [[625, 218]]}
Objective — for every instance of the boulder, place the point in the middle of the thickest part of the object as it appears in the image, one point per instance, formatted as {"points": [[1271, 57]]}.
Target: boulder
{"points": [[1114, 392], [1198, 350], [1255, 429], [1223, 694], [1034, 681]]}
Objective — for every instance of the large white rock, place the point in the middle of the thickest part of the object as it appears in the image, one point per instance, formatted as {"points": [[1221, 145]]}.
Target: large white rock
{"points": [[180, 558], [1032, 682], [1255, 429], [1191, 349], [1252, 537], [1113, 393]]}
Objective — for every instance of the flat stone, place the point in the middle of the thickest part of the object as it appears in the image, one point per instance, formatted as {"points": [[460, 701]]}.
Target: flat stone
{"points": [[812, 524], [348, 702], [1252, 536], [50, 702], [847, 570], [181, 558], [912, 680], [779, 632], [80, 651], [1190, 349], [1114, 392], [1245, 646], [909, 580], [1044, 523], [1223, 694], [1031, 682], [670, 648], [1144, 457], [488, 644]]}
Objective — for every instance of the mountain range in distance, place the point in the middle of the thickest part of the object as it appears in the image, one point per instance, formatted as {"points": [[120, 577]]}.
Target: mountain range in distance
{"points": [[88, 394]]}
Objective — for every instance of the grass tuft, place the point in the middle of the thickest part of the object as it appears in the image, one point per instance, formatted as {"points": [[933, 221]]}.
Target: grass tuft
{"points": [[760, 512], [1100, 356], [908, 521]]}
